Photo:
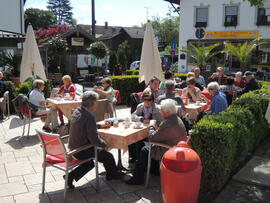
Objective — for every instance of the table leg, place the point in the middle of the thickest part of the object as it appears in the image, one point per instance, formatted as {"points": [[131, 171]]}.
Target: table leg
{"points": [[120, 167]]}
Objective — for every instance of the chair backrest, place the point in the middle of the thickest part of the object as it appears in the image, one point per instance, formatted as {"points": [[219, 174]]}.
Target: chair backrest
{"points": [[58, 77], [79, 89], [25, 109], [52, 144], [117, 96]]}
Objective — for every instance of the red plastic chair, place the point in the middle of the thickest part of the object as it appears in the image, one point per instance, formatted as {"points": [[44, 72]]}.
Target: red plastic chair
{"points": [[117, 96], [55, 154], [27, 114]]}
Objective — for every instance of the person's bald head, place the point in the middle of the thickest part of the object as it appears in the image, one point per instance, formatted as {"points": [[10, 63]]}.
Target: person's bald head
{"points": [[1, 75]]}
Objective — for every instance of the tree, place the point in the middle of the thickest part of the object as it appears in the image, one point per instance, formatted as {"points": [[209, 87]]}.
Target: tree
{"points": [[201, 54], [255, 2], [112, 61], [13, 61], [58, 47], [98, 49], [39, 18], [243, 52], [123, 52], [62, 10]]}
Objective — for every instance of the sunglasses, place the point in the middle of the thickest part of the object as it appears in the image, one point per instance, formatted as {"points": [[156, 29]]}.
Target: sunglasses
{"points": [[147, 99]]}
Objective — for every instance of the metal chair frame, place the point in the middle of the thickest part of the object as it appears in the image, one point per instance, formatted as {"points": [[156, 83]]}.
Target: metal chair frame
{"points": [[67, 155], [149, 158]]}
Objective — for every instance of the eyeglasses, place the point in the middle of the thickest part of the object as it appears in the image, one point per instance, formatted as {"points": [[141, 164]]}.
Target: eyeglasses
{"points": [[210, 89], [147, 99]]}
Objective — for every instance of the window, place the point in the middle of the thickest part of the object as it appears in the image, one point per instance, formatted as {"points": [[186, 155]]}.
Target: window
{"points": [[231, 13], [201, 17], [261, 17]]}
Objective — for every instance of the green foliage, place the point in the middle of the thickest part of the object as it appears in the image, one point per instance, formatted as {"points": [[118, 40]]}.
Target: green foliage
{"points": [[112, 61], [58, 47], [255, 2], [127, 85], [122, 52], [39, 18], [224, 141], [243, 52], [13, 61], [98, 49], [62, 10], [12, 94], [166, 29], [201, 54]]}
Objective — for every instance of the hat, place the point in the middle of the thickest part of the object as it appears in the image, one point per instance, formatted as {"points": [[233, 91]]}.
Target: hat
{"points": [[247, 73]]}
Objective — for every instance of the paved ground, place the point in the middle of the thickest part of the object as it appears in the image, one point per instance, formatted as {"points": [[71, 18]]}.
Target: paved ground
{"points": [[21, 174]]}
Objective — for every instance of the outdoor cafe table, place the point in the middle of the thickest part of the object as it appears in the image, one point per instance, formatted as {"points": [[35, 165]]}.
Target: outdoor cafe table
{"points": [[194, 109], [67, 106], [120, 137]]}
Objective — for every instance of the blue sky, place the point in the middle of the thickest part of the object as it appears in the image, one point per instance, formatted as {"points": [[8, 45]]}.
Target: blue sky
{"points": [[116, 12]]}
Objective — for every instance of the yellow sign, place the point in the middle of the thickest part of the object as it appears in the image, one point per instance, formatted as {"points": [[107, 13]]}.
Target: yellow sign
{"points": [[231, 34]]}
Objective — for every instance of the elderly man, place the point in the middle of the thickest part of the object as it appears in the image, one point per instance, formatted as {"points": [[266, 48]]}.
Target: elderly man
{"points": [[251, 83], [3, 89], [170, 132], [146, 111], [218, 77], [218, 101], [154, 87], [199, 78], [170, 94], [83, 131]]}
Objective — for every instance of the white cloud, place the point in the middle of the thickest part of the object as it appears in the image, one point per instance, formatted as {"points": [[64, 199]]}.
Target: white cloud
{"points": [[86, 7], [42, 7], [107, 8]]}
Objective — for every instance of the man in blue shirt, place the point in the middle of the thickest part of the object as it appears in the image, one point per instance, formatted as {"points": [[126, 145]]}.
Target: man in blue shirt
{"points": [[218, 101]]}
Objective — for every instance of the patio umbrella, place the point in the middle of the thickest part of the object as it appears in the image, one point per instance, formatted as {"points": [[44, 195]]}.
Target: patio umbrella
{"points": [[150, 65], [31, 65]]}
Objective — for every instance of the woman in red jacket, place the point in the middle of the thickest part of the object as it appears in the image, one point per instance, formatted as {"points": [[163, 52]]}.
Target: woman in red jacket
{"points": [[68, 87]]}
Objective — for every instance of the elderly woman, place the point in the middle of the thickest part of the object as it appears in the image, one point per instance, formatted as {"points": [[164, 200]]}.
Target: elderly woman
{"points": [[68, 87], [184, 83], [106, 91], [218, 101], [146, 111], [170, 132], [192, 92], [239, 82], [36, 98]]}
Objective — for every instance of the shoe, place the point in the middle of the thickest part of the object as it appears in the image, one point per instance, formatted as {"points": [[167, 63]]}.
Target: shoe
{"points": [[70, 180], [46, 129], [115, 176], [134, 181]]}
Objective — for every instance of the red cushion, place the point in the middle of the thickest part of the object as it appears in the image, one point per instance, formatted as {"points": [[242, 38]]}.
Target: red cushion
{"points": [[139, 94], [117, 95], [60, 161]]}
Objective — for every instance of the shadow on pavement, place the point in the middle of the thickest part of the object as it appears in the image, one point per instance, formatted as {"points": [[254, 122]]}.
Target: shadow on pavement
{"points": [[18, 142], [16, 122]]}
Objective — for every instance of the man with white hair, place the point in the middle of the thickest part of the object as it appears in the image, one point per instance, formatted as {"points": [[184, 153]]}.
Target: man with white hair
{"points": [[170, 132], [218, 101], [3, 89], [199, 78], [218, 77]]}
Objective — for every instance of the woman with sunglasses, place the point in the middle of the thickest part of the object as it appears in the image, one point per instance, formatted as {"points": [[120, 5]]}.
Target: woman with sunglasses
{"points": [[145, 111], [192, 92]]}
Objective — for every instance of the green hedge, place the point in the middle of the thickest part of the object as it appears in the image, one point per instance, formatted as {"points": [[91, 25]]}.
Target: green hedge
{"points": [[127, 85], [224, 141]]}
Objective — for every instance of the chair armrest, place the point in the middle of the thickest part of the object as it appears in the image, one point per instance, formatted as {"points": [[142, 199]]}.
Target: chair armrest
{"points": [[64, 136], [74, 151], [161, 144]]}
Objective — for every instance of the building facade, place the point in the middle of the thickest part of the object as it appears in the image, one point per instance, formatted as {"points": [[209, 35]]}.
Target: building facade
{"points": [[222, 20]]}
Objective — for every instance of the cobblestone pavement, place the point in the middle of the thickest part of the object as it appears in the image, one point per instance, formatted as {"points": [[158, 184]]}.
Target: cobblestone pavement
{"points": [[21, 173], [252, 183]]}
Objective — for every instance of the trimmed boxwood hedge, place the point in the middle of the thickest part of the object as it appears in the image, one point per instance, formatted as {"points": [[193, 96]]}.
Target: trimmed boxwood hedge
{"points": [[224, 141]]}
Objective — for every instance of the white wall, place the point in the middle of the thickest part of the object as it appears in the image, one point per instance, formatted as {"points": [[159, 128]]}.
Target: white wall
{"points": [[12, 16], [247, 18]]}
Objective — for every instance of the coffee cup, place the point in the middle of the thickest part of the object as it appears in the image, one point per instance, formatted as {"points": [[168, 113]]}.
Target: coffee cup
{"points": [[138, 124], [198, 103]]}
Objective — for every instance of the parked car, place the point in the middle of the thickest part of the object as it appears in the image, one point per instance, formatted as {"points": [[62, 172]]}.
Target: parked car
{"points": [[135, 65]]}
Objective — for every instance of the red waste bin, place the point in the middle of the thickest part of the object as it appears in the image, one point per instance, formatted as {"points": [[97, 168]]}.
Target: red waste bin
{"points": [[180, 174]]}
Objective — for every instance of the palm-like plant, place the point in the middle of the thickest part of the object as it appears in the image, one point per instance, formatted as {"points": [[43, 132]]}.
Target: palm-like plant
{"points": [[201, 54], [243, 52], [13, 61]]}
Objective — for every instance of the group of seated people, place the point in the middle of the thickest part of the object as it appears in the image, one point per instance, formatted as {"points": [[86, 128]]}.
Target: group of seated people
{"points": [[38, 102], [158, 110]]}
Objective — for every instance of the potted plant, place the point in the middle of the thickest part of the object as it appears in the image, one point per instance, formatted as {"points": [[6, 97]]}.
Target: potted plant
{"points": [[13, 61]]}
